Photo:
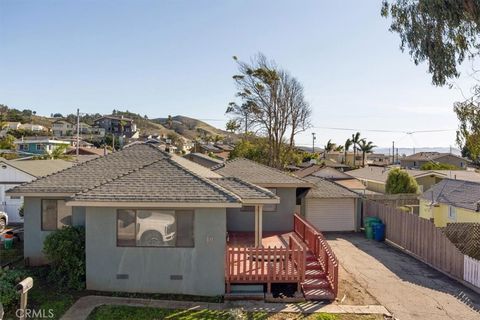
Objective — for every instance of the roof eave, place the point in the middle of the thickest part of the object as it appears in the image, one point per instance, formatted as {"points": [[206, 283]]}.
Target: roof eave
{"points": [[142, 204], [39, 194]]}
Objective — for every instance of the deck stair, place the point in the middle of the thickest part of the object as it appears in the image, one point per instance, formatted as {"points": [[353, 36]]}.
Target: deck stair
{"points": [[316, 286]]}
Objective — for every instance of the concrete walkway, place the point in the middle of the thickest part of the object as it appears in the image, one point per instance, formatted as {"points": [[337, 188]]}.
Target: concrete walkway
{"points": [[85, 305], [408, 288]]}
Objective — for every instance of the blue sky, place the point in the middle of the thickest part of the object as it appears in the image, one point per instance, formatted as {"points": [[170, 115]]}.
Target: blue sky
{"points": [[175, 57]]}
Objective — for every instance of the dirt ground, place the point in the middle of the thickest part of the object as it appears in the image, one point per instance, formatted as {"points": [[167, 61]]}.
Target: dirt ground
{"points": [[408, 288], [350, 292]]}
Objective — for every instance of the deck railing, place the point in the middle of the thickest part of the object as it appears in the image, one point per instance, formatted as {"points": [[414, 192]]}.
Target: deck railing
{"points": [[320, 248], [245, 264]]}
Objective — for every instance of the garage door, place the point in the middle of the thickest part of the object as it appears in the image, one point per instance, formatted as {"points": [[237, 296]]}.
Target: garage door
{"points": [[331, 214]]}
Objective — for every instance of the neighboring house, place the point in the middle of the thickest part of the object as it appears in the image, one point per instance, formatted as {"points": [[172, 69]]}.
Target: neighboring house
{"points": [[417, 160], [118, 126], [378, 159], [339, 177], [330, 206], [33, 127], [12, 125], [61, 128], [38, 146], [87, 151], [339, 157], [285, 186], [451, 201], [375, 178], [152, 225], [203, 159], [16, 172]]}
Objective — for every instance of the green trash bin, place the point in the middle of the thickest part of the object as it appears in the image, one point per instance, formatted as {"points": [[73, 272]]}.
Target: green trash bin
{"points": [[8, 240], [369, 231]]}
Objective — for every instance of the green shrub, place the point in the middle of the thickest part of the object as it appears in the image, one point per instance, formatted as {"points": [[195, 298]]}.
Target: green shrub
{"points": [[8, 280], [65, 249], [438, 166], [399, 181]]}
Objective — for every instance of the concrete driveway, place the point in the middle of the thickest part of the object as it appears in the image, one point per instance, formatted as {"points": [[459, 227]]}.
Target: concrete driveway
{"points": [[408, 288]]}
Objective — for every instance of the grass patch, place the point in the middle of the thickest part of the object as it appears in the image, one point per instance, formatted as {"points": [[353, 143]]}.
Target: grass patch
{"points": [[149, 313]]}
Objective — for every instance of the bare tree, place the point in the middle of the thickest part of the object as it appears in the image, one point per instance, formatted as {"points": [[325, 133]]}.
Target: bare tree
{"points": [[272, 102]]}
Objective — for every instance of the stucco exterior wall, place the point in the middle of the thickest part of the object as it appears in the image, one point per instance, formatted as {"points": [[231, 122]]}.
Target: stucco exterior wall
{"points": [[33, 234], [440, 214], [375, 186], [151, 269], [427, 182], [279, 220]]}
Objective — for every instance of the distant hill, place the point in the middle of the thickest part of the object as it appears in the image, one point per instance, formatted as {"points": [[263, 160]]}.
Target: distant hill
{"points": [[191, 128]]}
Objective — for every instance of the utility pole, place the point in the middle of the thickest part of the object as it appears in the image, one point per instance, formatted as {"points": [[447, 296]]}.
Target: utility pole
{"points": [[78, 132], [393, 152], [313, 141]]}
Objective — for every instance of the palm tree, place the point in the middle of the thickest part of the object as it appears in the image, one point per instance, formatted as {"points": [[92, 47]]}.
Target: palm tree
{"points": [[346, 147], [329, 147], [365, 147], [355, 140]]}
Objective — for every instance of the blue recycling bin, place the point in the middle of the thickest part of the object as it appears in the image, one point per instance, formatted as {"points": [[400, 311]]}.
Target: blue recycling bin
{"points": [[379, 231]]}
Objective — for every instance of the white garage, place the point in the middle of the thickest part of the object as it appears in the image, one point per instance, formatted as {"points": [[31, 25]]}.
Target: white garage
{"points": [[330, 206]]}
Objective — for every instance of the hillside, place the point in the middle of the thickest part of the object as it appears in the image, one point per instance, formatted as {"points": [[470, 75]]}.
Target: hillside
{"points": [[191, 128]]}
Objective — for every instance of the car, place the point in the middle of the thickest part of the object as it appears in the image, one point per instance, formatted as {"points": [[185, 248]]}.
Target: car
{"points": [[3, 220]]}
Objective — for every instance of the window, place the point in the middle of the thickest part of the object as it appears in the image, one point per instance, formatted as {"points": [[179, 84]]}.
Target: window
{"points": [[55, 214], [155, 228], [40, 147], [23, 147], [452, 213]]}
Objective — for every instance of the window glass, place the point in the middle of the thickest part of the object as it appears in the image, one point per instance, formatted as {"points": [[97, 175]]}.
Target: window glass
{"points": [[126, 227], [184, 228], [49, 214], [64, 214], [155, 228]]}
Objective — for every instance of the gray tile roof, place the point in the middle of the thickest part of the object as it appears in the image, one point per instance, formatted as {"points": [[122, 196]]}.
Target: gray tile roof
{"points": [[39, 168], [245, 189], [94, 172], [380, 174], [462, 194], [165, 181], [328, 189], [257, 173]]}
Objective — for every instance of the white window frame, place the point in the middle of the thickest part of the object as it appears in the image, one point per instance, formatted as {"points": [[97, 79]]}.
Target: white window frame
{"points": [[452, 213]]}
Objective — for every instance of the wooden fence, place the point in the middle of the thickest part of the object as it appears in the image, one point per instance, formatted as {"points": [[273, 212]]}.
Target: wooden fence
{"points": [[420, 237], [245, 264], [320, 248]]}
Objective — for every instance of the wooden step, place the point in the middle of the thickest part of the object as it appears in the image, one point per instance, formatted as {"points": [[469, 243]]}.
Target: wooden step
{"points": [[319, 294], [311, 265], [317, 283], [314, 274]]}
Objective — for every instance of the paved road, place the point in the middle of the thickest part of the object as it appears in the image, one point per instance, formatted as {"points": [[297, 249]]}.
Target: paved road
{"points": [[409, 289]]}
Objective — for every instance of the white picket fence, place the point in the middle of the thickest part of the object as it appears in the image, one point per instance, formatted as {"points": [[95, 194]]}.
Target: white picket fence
{"points": [[471, 271]]}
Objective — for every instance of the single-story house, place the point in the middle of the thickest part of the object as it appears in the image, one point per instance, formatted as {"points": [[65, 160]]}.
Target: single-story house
{"points": [[339, 177], [144, 214], [330, 206], [417, 160], [451, 201], [375, 178], [287, 187], [16, 172], [40, 146]]}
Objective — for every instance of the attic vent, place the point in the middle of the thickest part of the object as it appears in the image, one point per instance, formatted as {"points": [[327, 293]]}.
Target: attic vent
{"points": [[122, 276], [176, 277]]}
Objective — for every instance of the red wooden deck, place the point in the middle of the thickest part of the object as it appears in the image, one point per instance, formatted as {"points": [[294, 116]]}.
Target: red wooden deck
{"points": [[302, 257]]}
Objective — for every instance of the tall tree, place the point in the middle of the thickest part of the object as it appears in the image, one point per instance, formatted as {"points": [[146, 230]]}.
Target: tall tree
{"points": [[272, 102], [468, 132], [365, 147], [442, 33], [329, 147], [355, 141]]}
